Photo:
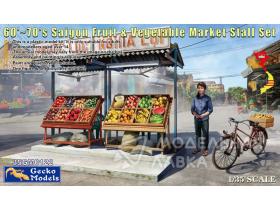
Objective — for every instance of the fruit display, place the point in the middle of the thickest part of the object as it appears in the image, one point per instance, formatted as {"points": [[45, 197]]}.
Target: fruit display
{"points": [[136, 109], [62, 115], [86, 115], [119, 102], [73, 114], [156, 118], [59, 101], [145, 102], [91, 103], [159, 101], [131, 102], [51, 114], [127, 116], [79, 103], [113, 116], [142, 116]]}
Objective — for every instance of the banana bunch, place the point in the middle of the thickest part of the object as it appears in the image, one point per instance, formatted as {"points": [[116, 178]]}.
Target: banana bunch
{"points": [[142, 116], [113, 116]]}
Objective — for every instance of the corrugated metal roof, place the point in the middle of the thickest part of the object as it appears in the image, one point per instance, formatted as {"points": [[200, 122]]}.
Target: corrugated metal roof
{"points": [[82, 62]]}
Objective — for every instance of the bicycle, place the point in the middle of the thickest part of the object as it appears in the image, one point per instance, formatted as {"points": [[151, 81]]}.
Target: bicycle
{"points": [[229, 148]]}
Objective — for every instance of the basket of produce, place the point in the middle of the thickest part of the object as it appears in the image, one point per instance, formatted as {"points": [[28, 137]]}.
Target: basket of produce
{"points": [[264, 120]]}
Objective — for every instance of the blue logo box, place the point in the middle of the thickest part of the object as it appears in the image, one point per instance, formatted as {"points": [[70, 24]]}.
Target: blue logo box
{"points": [[32, 174]]}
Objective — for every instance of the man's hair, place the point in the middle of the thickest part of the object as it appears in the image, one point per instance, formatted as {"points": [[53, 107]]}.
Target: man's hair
{"points": [[201, 84]]}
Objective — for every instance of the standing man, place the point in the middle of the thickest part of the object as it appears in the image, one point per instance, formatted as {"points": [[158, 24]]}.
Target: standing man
{"points": [[201, 109]]}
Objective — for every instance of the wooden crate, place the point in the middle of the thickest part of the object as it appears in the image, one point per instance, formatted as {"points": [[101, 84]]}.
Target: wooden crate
{"points": [[147, 124], [78, 124], [263, 122]]}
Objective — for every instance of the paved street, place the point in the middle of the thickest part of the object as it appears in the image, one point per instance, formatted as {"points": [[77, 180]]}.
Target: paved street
{"points": [[19, 133]]}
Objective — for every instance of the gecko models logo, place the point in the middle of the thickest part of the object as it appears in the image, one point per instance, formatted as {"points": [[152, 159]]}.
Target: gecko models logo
{"points": [[32, 174]]}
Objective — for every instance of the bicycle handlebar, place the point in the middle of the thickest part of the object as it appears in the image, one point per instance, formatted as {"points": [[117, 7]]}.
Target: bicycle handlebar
{"points": [[231, 119]]}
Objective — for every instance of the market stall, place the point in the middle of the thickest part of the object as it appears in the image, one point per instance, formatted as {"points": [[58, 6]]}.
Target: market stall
{"points": [[74, 112], [139, 113], [143, 55]]}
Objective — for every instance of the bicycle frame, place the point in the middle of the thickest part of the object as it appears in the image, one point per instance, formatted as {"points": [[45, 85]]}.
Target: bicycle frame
{"points": [[251, 136]]}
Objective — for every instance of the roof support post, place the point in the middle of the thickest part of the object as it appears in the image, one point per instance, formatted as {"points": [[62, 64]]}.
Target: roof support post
{"points": [[105, 91], [53, 94], [109, 87], [175, 93]]}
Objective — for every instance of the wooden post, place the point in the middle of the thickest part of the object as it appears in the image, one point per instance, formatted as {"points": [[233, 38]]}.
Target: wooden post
{"points": [[89, 136], [106, 137], [161, 142], [45, 136], [100, 128]]}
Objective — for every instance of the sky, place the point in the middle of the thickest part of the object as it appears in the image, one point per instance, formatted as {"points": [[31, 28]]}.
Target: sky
{"points": [[214, 57]]}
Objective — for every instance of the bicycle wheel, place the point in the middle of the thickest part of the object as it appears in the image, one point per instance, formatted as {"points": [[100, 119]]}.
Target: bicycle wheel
{"points": [[258, 143], [225, 154]]}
